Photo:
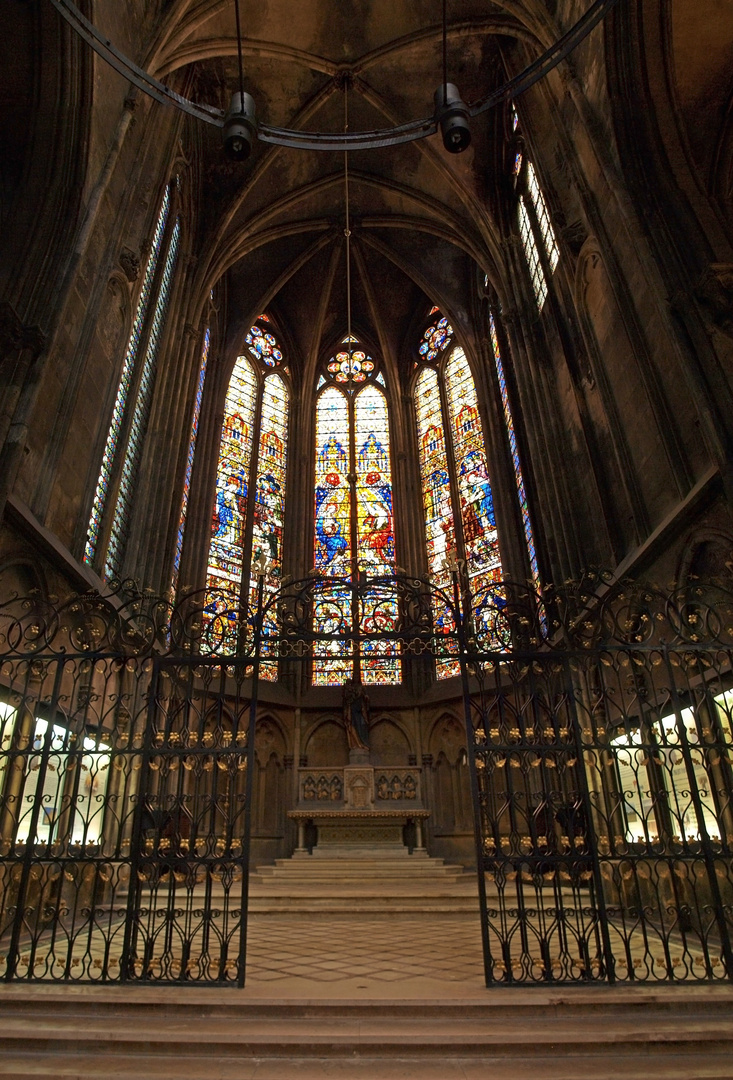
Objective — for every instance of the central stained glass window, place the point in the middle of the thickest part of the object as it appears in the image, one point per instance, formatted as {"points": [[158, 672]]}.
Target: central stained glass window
{"points": [[354, 533], [453, 466], [249, 506]]}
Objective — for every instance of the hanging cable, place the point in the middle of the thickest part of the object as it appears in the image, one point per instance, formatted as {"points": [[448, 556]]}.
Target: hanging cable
{"points": [[347, 230], [445, 51], [239, 49]]}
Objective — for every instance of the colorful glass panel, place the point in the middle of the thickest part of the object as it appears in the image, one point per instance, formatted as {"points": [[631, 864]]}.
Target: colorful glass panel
{"points": [[269, 506], [225, 563], [122, 516], [543, 218], [263, 345], [332, 556], [480, 538], [536, 273], [435, 339], [356, 366], [126, 379], [522, 494], [375, 534], [437, 505], [189, 459]]}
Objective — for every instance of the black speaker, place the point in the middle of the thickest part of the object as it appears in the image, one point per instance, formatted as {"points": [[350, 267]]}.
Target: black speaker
{"points": [[240, 127], [452, 115]]}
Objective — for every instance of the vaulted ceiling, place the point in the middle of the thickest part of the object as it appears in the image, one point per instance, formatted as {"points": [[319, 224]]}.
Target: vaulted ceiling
{"points": [[423, 221], [421, 218]]}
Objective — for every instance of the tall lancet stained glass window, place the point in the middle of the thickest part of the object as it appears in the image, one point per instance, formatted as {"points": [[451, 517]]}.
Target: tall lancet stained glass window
{"points": [[132, 401], [249, 502], [269, 502], [453, 459], [354, 526]]}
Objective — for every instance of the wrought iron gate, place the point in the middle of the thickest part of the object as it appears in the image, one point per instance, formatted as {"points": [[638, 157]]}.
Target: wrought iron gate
{"points": [[602, 780], [599, 722]]}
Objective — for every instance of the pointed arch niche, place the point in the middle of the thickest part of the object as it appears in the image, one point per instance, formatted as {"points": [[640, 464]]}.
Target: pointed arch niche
{"points": [[353, 517], [249, 502]]}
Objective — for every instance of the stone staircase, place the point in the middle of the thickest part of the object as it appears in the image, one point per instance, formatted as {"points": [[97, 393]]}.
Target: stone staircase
{"points": [[351, 881], [506, 1034]]}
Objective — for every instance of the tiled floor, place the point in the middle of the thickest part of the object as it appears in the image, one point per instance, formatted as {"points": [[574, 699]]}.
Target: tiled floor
{"points": [[447, 949]]}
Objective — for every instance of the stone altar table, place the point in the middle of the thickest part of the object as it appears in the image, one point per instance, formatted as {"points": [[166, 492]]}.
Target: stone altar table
{"points": [[360, 805]]}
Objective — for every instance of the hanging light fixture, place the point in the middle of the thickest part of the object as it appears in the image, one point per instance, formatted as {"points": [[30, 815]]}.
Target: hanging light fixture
{"points": [[451, 113], [239, 130]]}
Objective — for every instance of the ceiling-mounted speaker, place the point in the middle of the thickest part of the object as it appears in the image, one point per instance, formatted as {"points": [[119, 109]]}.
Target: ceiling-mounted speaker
{"points": [[240, 127], [453, 116]]}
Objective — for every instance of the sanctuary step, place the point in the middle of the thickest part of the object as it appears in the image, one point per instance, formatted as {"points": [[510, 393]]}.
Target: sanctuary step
{"points": [[632, 1033], [351, 880]]}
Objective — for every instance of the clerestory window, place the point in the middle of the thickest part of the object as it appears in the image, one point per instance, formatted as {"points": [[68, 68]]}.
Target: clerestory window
{"points": [[112, 505], [535, 226]]}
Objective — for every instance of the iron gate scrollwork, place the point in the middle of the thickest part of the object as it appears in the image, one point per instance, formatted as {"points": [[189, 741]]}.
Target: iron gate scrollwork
{"points": [[599, 719], [125, 772], [602, 753]]}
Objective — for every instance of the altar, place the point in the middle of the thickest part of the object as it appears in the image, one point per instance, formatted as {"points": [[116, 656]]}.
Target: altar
{"points": [[360, 805]]}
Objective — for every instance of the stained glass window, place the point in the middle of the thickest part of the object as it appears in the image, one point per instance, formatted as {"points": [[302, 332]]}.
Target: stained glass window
{"points": [[536, 273], [226, 557], [126, 379], [521, 493], [189, 458], [437, 504], [269, 493], [480, 538], [435, 339], [356, 366], [121, 518], [375, 532], [332, 607], [543, 217], [244, 528], [453, 459], [353, 438], [262, 344]]}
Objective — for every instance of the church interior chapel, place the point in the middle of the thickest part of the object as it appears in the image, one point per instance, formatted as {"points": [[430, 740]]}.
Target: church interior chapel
{"points": [[366, 539]]}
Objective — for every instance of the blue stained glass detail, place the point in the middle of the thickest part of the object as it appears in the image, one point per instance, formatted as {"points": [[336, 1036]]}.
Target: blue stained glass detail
{"points": [[480, 537], [380, 664], [436, 338], [126, 379], [226, 557], [269, 506], [189, 458], [134, 449], [522, 494], [263, 345]]}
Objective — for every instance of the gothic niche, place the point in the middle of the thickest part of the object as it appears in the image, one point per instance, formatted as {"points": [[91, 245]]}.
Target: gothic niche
{"points": [[389, 745], [268, 823], [450, 795], [327, 746]]}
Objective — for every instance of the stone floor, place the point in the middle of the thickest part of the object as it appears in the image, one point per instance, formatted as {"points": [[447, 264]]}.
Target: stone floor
{"points": [[358, 971]]}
